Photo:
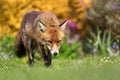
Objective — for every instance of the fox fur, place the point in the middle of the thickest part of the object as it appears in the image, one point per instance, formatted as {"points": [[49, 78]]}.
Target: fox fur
{"points": [[39, 29]]}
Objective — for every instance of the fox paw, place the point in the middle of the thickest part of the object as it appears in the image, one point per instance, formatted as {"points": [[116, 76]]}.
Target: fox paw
{"points": [[31, 62], [47, 64]]}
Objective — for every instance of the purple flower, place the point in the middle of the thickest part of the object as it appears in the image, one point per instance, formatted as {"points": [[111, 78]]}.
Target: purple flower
{"points": [[76, 36], [72, 25], [115, 45], [70, 41], [115, 6]]}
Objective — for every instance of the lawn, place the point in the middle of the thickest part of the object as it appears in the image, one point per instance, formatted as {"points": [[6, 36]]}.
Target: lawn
{"points": [[89, 68], [65, 66]]}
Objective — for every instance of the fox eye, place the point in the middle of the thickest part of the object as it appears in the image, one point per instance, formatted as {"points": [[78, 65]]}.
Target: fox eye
{"points": [[49, 41], [59, 41]]}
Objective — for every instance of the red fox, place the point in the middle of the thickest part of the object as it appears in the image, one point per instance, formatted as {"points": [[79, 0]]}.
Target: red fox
{"points": [[39, 30]]}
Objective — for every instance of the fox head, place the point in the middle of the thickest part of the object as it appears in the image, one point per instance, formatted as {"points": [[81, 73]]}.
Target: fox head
{"points": [[52, 36]]}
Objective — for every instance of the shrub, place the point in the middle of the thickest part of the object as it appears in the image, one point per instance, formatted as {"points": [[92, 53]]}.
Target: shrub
{"points": [[7, 47]]}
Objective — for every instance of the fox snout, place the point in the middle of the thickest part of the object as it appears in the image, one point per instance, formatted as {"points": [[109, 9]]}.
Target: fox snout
{"points": [[54, 50]]}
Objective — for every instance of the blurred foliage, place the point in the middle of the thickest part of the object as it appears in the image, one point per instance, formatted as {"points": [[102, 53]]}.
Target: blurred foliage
{"points": [[105, 14], [12, 12], [83, 13], [85, 16], [77, 14], [7, 47], [71, 49], [102, 45]]}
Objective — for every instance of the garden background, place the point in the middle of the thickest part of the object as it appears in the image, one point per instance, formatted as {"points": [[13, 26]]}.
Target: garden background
{"points": [[90, 49]]}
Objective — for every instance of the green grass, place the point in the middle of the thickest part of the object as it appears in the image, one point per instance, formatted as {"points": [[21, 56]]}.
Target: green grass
{"points": [[77, 69], [65, 66]]}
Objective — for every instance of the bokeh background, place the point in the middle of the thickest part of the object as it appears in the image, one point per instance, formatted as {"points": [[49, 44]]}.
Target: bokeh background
{"points": [[90, 50], [12, 11], [93, 26]]}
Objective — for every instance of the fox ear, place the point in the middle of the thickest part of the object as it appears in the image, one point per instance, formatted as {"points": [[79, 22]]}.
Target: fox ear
{"points": [[63, 25], [41, 26]]}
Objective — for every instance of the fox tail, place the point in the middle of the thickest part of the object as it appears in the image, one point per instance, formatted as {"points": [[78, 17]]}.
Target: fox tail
{"points": [[19, 47]]}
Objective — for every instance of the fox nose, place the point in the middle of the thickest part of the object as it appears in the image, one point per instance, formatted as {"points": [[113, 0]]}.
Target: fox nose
{"points": [[54, 52]]}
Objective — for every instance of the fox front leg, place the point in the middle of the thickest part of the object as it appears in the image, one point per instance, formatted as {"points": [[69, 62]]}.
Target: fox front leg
{"points": [[28, 46], [43, 54], [30, 56], [49, 57]]}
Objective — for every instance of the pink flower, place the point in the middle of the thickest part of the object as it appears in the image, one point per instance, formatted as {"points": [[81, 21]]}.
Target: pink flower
{"points": [[115, 6], [70, 41], [76, 36], [72, 25]]}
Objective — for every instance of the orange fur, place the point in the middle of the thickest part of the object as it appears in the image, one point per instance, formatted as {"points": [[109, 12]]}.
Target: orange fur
{"points": [[39, 29]]}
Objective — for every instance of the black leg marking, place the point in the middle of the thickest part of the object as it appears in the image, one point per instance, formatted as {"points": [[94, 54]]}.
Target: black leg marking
{"points": [[49, 57], [43, 54]]}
